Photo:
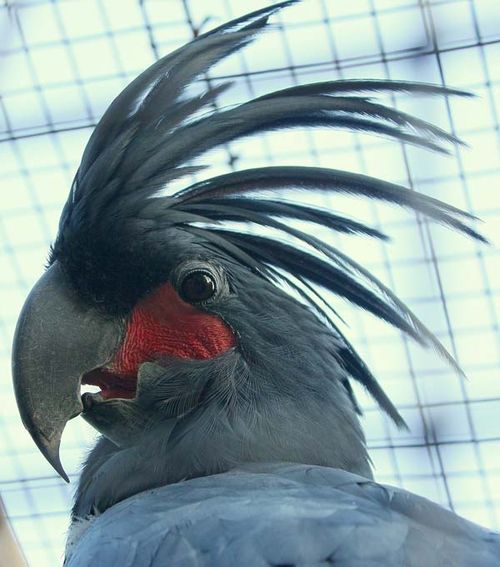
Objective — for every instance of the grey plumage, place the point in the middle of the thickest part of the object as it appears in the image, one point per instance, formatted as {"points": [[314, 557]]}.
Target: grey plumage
{"points": [[281, 515], [148, 138], [151, 133], [282, 391]]}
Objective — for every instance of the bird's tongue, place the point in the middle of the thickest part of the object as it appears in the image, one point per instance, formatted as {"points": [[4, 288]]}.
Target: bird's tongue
{"points": [[112, 385]]}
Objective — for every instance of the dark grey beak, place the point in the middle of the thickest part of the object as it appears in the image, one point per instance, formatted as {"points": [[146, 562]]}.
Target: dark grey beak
{"points": [[58, 339]]}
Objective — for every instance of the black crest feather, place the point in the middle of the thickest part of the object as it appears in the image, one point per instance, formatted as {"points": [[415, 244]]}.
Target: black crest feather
{"points": [[153, 130]]}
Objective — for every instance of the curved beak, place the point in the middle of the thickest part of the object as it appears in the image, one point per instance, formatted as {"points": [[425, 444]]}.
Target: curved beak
{"points": [[58, 339]]}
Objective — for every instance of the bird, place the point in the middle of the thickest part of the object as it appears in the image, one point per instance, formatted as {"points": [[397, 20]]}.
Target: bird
{"points": [[230, 431]]}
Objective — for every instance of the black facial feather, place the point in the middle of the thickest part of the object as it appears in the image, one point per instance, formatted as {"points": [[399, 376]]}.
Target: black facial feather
{"points": [[116, 228]]}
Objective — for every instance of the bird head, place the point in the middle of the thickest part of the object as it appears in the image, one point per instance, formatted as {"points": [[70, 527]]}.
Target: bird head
{"points": [[181, 318]]}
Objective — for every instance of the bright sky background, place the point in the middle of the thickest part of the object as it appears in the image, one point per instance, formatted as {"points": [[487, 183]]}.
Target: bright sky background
{"points": [[63, 61]]}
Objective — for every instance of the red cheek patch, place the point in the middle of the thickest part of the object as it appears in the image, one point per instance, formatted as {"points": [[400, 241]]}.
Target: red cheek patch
{"points": [[162, 325]]}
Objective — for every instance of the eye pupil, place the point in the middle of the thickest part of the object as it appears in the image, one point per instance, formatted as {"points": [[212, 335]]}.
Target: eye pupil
{"points": [[197, 286]]}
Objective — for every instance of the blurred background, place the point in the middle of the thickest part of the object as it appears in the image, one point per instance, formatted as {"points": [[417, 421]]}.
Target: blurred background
{"points": [[61, 64]]}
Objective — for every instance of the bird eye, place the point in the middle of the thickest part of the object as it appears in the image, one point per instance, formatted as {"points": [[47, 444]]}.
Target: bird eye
{"points": [[197, 286]]}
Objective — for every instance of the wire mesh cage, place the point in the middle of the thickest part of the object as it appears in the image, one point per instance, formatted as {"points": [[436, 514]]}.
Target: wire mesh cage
{"points": [[63, 61]]}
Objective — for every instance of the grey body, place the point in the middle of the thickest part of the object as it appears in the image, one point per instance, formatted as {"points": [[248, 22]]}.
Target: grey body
{"points": [[281, 392], [282, 514], [305, 415]]}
